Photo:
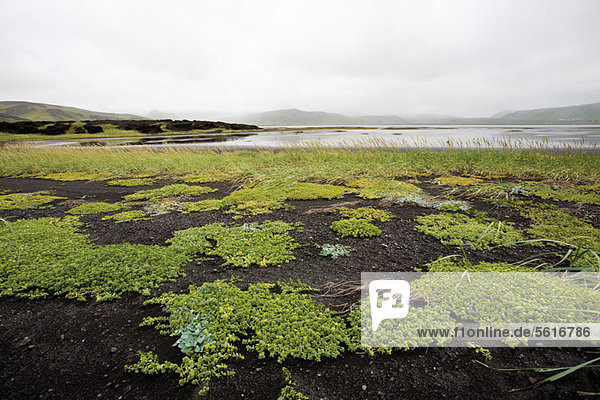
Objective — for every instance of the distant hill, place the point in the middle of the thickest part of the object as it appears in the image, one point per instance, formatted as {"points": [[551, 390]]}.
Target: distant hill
{"points": [[294, 116], [586, 113], [12, 111]]}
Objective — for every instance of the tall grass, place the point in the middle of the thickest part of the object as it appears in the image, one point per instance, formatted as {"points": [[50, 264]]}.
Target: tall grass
{"points": [[312, 162]]}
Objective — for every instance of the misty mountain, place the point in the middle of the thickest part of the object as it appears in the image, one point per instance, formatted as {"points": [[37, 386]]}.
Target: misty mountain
{"points": [[294, 116], [12, 111], [586, 113]]}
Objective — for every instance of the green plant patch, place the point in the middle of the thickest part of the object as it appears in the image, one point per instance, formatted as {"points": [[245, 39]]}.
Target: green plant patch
{"points": [[542, 297], [97, 208], [127, 216], [168, 191], [263, 244], [282, 324], [582, 194], [75, 176], [24, 201], [50, 256], [131, 182], [453, 298], [264, 197], [367, 213], [335, 250], [4, 191], [203, 205], [557, 224], [379, 188], [460, 230], [456, 181], [355, 227], [289, 391], [450, 265]]}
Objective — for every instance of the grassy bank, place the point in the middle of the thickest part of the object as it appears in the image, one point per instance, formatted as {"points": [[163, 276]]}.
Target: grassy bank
{"points": [[307, 164]]}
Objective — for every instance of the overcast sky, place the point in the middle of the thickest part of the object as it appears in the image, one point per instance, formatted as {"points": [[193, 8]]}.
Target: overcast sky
{"points": [[466, 58]]}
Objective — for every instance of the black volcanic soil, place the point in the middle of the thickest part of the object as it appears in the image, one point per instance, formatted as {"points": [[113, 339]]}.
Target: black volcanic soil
{"points": [[61, 349]]}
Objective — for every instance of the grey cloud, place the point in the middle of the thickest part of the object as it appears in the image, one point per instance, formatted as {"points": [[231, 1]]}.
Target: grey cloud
{"points": [[462, 57]]}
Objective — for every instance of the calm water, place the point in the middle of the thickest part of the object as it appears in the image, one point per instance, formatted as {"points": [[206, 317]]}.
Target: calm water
{"points": [[559, 136]]}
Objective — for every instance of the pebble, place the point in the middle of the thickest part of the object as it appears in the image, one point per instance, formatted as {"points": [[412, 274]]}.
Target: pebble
{"points": [[113, 349], [364, 387]]}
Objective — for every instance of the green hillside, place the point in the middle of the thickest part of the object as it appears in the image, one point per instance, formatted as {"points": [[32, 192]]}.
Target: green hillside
{"points": [[586, 113], [12, 111]]}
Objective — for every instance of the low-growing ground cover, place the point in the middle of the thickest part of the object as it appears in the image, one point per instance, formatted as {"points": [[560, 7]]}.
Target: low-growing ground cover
{"points": [[97, 208], [24, 201], [169, 191], [192, 239]]}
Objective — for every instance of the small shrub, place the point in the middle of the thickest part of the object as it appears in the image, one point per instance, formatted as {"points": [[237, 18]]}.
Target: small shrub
{"points": [[459, 230], [175, 190], [367, 213], [127, 216], [194, 336], [355, 227], [131, 182], [97, 208], [24, 201], [335, 250]]}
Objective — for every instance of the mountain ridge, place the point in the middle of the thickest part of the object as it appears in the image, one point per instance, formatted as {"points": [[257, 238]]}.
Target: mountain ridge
{"points": [[13, 111]]}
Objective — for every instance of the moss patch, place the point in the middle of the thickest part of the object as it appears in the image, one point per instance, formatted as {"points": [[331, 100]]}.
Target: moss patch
{"points": [[24, 201], [355, 227], [50, 256], [263, 244], [127, 216], [461, 230], [168, 191], [367, 213], [203, 205]]}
